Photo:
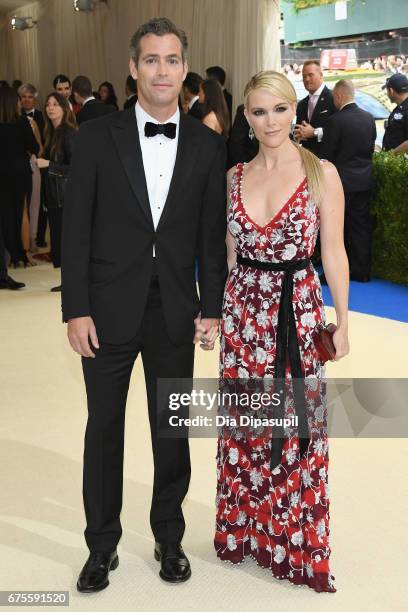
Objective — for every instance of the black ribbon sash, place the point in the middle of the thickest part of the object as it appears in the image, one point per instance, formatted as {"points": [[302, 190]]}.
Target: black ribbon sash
{"points": [[286, 344]]}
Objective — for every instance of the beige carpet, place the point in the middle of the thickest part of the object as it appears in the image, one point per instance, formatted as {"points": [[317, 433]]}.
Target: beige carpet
{"points": [[43, 416]]}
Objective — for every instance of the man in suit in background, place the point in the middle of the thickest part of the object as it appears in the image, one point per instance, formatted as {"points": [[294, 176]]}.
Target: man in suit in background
{"points": [[191, 86], [241, 148], [91, 108], [218, 73], [348, 142], [28, 96], [146, 199], [131, 92], [314, 111]]}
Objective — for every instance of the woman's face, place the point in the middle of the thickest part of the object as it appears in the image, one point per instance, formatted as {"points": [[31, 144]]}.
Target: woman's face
{"points": [[201, 95], [54, 111], [103, 93], [270, 117]]}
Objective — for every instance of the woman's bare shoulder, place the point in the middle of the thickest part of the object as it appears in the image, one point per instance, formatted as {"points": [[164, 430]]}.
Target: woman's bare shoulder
{"points": [[329, 169]]}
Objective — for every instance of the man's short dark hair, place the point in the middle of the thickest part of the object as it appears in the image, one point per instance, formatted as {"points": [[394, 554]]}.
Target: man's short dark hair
{"points": [[310, 62], [192, 82], [82, 86], [131, 84], [61, 78], [160, 26], [218, 73]]}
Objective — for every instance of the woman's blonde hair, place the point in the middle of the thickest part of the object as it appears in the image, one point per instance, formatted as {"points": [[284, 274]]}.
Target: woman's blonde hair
{"points": [[281, 87]]}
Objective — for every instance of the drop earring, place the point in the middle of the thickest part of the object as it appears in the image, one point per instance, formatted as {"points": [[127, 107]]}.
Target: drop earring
{"points": [[251, 133]]}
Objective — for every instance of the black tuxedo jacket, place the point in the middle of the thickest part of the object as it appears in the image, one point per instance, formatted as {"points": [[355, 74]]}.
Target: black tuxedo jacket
{"points": [[130, 102], [39, 119], [348, 141], [94, 109], [228, 100], [108, 232], [323, 110], [240, 147], [196, 110]]}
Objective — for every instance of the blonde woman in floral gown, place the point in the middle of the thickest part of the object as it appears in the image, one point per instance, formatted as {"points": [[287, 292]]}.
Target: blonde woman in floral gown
{"points": [[278, 513]]}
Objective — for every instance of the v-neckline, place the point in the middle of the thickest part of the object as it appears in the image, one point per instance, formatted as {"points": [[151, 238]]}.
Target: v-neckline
{"points": [[279, 211]]}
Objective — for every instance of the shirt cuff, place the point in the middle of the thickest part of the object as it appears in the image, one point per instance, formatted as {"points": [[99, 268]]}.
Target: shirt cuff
{"points": [[319, 134]]}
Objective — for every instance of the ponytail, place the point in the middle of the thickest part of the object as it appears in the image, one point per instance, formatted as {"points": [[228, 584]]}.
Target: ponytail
{"points": [[313, 171]]}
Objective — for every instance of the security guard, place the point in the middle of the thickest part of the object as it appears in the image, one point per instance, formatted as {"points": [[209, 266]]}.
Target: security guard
{"points": [[396, 127]]}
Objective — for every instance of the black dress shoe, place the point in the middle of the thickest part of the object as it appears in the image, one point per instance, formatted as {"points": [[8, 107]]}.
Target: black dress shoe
{"points": [[10, 283], [175, 567], [57, 288], [94, 574]]}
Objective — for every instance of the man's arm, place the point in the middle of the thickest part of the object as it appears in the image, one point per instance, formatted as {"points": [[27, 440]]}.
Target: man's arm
{"points": [[403, 147], [76, 232], [331, 140], [212, 257]]}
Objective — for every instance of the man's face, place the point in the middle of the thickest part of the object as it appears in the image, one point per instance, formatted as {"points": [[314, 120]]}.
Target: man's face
{"points": [[28, 101], [160, 71], [312, 77], [64, 89]]}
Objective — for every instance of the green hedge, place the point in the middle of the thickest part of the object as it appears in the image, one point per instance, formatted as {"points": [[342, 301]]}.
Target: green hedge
{"points": [[390, 207]]}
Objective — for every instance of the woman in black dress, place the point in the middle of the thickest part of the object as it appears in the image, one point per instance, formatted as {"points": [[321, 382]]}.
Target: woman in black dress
{"points": [[59, 135], [17, 144]]}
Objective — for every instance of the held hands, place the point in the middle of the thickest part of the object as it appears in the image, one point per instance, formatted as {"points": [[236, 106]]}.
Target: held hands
{"points": [[341, 343], [206, 332], [80, 330], [303, 131]]}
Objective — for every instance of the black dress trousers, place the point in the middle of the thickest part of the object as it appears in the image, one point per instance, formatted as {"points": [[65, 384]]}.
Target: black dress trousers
{"points": [[107, 379], [358, 230]]}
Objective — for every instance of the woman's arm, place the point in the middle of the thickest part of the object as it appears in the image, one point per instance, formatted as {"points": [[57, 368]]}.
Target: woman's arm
{"points": [[68, 147], [230, 240], [334, 258], [37, 135]]}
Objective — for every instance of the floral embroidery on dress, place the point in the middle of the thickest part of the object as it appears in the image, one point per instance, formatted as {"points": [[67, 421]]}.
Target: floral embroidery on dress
{"points": [[281, 519]]}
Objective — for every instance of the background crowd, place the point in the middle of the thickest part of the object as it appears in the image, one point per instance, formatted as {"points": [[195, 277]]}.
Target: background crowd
{"points": [[390, 64], [37, 147]]}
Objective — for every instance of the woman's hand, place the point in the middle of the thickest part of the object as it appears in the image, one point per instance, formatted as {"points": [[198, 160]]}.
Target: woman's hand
{"points": [[42, 163], [341, 343]]}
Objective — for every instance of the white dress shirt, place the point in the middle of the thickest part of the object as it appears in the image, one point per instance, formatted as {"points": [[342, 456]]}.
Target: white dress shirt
{"points": [[87, 100], [315, 96], [159, 156]]}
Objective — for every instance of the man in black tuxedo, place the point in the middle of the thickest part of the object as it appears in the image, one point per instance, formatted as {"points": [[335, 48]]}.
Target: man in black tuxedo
{"points": [[241, 148], [218, 73], [348, 142], [145, 200], [28, 96], [131, 92], [314, 111], [91, 108], [191, 87]]}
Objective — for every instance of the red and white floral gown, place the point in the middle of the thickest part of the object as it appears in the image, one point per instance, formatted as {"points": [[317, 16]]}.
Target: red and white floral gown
{"points": [[281, 518]]}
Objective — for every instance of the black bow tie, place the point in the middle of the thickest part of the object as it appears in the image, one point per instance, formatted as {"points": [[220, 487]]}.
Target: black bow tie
{"points": [[30, 114], [168, 129]]}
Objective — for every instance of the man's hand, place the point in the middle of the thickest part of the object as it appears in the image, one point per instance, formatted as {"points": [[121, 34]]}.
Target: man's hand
{"points": [[80, 330], [304, 131], [206, 332]]}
